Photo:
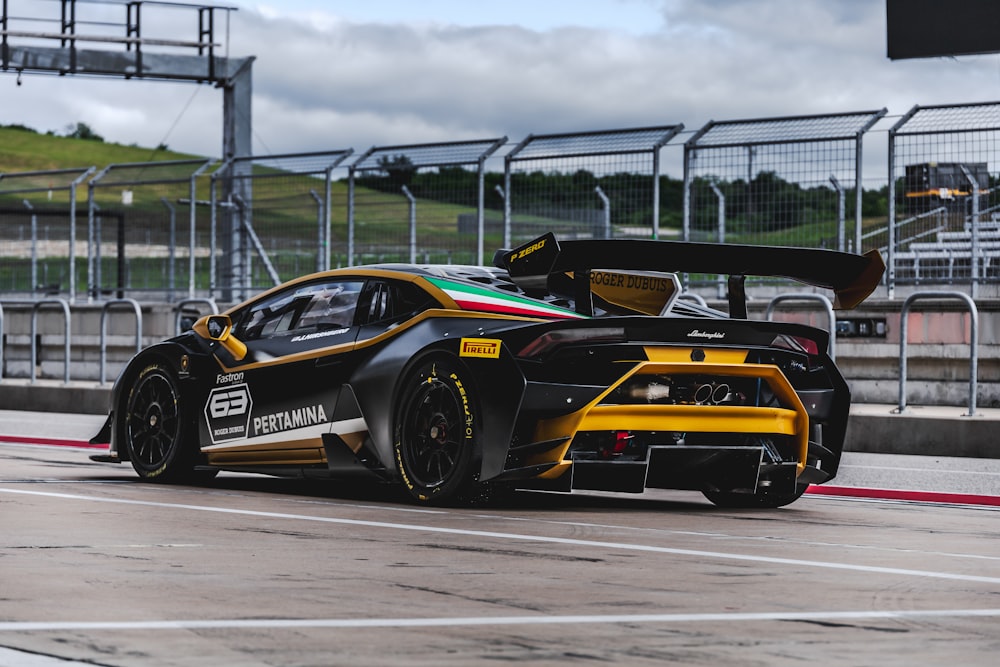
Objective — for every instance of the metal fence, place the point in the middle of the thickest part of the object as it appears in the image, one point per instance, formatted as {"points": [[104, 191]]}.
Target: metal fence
{"points": [[944, 207], [182, 230], [142, 231], [274, 218], [778, 181], [422, 202], [585, 185], [40, 213]]}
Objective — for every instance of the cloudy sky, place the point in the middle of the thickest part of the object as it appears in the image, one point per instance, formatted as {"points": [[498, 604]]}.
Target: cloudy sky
{"points": [[337, 74]]}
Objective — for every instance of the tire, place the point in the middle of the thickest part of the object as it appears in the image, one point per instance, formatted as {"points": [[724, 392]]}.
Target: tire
{"points": [[156, 429], [760, 500], [436, 432]]}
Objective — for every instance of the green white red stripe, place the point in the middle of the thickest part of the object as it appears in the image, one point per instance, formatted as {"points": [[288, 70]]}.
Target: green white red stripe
{"points": [[470, 297]]}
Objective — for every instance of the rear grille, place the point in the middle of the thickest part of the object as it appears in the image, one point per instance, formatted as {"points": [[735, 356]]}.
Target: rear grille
{"points": [[692, 389]]}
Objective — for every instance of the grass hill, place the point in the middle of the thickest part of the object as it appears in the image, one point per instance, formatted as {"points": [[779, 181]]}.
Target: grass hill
{"points": [[23, 149]]}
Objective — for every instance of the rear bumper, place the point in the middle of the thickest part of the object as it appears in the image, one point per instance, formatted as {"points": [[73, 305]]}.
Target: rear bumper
{"points": [[684, 446], [716, 468]]}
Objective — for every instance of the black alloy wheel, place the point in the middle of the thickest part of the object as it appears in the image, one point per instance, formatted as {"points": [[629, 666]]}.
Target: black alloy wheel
{"points": [[436, 432], [155, 429]]}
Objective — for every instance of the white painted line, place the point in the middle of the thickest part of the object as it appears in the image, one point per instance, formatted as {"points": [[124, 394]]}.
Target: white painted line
{"points": [[603, 619], [732, 537], [13, 658], [621, 546], [937, 471]]}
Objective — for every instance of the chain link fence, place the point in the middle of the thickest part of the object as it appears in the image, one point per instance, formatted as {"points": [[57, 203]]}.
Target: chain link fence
{"points": [[274, 218], [40, 213], [944, 206], [420, 203], [143, 235], [178, 229], [586, 185], [792, 181]]}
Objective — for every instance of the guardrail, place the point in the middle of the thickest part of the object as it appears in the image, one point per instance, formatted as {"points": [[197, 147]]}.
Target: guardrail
{"points": [[34, 334], [818, 298], [973, 343], [134, 305], [179, 310], [693, 296]]}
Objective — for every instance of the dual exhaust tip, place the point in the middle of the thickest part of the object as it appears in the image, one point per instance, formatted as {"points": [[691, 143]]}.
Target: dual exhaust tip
{"points": [[714, 394]]}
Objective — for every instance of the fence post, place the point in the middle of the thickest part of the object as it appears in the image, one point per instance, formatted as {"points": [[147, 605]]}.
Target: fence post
{"points": [[412, 224], [606, 231], [171, 269], [721, 281], [973, 343], [841, 213], [320, 230], [506, 203], [480, 211], [93, 238], [974, 191], [104, 329], [66, 335], [350, 215], [328, 214], [34, 245]]}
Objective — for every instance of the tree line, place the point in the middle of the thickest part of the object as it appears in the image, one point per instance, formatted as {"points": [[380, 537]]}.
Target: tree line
{"points": [[767, 202]]}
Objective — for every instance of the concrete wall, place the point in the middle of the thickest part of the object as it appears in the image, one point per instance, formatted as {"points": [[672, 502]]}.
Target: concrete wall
{"points": [[938, 356]]}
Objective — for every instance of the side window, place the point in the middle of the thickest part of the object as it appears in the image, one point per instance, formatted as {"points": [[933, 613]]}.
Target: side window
{"points": [[379, 307], [320, 306], [390, 302]]}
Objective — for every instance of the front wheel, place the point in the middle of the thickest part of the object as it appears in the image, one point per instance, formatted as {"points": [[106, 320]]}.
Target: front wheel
{"points": [[155, 429], [436, 432]]}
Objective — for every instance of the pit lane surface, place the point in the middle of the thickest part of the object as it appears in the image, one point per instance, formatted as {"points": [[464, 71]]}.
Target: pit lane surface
{"points": [[96, 566]]}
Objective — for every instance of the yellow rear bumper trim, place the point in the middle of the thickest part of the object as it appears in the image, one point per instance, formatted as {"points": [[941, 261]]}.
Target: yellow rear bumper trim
{"points": [[791, 419]]}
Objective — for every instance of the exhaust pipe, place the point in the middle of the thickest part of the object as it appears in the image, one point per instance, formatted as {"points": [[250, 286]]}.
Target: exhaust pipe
{"points": [[712, 393], [703, 394]]}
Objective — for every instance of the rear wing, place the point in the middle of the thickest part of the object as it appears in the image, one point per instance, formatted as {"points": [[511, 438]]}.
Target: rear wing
{"points": [[545, 265]]}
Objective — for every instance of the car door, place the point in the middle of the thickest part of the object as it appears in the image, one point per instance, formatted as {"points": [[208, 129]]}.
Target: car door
{"points": [[273, 406]]}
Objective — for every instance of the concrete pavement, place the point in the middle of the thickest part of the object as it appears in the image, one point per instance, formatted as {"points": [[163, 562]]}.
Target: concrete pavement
{"points": [[933, 477]]}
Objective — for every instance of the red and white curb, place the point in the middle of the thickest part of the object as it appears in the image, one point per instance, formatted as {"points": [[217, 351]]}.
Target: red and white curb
{"points": [[50, 442], [902, 494], [814, 490]]}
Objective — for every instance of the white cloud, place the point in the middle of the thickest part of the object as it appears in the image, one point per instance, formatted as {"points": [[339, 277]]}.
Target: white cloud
{"points": [[324, 80]]}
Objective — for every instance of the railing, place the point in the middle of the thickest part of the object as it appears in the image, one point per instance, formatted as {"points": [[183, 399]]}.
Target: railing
{"points": [[34, 335], [973, 343], [818, 298], [179, 310], [693, 296], [134, 305]]}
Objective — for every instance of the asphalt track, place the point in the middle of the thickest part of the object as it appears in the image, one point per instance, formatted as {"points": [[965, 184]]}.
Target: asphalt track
{"points": [[896, 564]]}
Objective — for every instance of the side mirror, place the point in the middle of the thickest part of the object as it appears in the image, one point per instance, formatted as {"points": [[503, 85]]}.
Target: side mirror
{"points": [[220, 328]]}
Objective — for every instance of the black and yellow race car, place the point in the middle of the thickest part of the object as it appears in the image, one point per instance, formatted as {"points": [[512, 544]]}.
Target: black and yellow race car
{"points": [[569, 365]]}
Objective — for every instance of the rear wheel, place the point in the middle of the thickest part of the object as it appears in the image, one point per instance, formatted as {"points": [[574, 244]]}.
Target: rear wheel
{"points": [[436, 431], [761, 499], [156, 431]]}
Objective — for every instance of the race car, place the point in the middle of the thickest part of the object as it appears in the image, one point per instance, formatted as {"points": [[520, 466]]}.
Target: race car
{"points": [[567, 366]]}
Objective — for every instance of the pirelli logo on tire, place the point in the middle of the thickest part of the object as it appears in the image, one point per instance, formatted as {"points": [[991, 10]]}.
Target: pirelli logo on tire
{"points": [[227, 413], [484, 348]]}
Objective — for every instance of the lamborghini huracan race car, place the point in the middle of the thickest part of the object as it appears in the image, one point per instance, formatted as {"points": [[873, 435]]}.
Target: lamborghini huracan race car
{"points": [[569, 365]]}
